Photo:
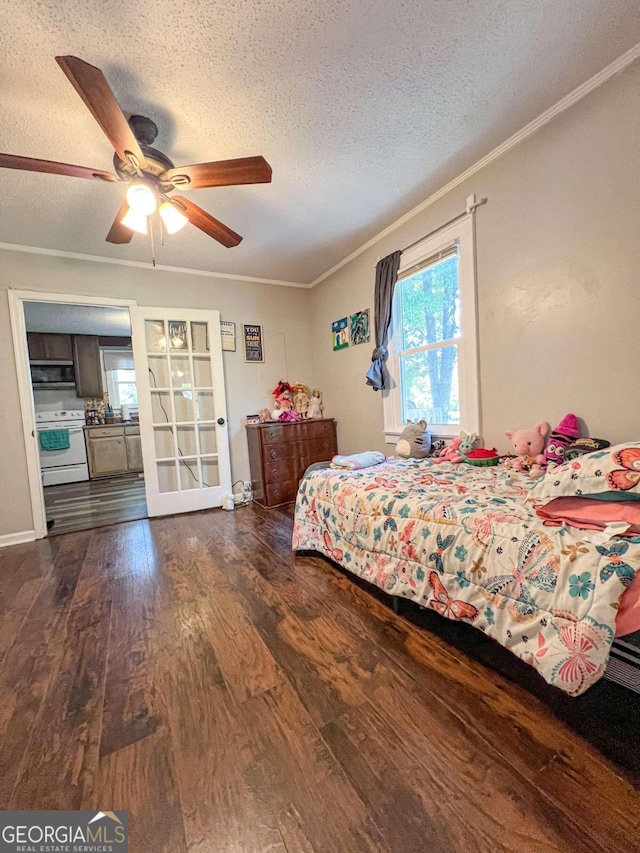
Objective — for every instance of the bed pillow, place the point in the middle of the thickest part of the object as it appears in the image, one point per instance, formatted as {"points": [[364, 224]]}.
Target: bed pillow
{"points": [[628, 618], [611, 474]]}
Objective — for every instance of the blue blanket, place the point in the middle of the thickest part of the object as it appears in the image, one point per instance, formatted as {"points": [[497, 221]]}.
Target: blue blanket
{"points": [[358, 460]]}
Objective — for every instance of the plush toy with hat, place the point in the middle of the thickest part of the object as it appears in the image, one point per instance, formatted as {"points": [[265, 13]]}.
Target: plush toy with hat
{"points": [[561, 437], [529, 446]]}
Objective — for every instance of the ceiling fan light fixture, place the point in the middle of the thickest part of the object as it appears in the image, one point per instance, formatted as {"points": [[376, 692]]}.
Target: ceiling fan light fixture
{"points": [[135, 220], [142, 199], [172, 219]]}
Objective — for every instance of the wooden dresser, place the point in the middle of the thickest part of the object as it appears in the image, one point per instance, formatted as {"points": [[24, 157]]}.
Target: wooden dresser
{"points": [[279, 454]]}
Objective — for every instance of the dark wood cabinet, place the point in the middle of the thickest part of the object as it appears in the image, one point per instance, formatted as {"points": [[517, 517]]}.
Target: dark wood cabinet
{"points": [[45, 346], [86, 363], [279, 454]]}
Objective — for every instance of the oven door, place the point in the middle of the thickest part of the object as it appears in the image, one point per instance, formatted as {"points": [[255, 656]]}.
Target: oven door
{"points": [[75, 454]]}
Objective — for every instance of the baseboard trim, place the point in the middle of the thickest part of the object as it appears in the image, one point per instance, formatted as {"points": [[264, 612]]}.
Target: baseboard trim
{"points": [[17, 538]]}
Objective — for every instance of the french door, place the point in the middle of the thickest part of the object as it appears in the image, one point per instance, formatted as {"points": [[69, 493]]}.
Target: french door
{"points": [[182, 408]]}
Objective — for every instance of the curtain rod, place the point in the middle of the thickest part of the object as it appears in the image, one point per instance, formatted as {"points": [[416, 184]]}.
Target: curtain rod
{"points": [[471, 206]]}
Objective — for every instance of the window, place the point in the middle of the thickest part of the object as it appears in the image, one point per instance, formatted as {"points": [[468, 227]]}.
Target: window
{"points": [[120, 377], [432, 353]]}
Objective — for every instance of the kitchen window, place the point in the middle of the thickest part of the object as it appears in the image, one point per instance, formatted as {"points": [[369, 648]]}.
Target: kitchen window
{"points": [[120, 377], [432, 359]]}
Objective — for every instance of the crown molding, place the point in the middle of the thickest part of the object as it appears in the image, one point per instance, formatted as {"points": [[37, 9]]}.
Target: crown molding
{"points": [[563, 104], [99, 259]]}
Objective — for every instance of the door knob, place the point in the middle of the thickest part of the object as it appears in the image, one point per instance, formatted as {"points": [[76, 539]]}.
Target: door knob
{"points": [[221, 421]]}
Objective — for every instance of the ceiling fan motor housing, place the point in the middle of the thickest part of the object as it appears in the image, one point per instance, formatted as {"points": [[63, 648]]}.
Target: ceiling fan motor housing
{"points": [[145, 131]]}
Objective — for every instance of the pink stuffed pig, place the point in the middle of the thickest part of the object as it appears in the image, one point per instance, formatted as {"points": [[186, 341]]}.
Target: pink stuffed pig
{"points": [[528, 443]]}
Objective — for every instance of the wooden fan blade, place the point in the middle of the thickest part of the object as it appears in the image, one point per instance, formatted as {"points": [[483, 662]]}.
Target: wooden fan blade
{"points": [[222, 173], [28, 164], [205, 222], [91, 84], [119, 233]]}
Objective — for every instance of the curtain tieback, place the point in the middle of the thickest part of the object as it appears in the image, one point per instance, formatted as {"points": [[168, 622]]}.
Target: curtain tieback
{"points": [[379, 353]]}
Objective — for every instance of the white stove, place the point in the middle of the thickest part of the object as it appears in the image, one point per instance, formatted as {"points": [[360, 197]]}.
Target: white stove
{"points": [[68, 465]]}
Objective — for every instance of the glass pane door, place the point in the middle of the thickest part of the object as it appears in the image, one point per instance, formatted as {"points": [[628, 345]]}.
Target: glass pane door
{"points": [[182, 409]]}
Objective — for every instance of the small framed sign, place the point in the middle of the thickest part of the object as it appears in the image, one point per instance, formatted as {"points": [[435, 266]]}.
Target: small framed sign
{"points": [[253, 346], [340, 333], [228, 335]]}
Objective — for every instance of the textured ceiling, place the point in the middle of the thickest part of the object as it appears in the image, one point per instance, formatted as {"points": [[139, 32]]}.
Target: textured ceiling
{"points": [[363, 108]]}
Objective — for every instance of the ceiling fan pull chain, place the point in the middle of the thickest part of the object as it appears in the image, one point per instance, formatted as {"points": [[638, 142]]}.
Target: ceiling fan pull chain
{"points": [[153, 249]]}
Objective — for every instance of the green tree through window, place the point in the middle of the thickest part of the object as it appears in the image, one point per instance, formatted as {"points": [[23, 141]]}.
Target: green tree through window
{"points": [[430, 306]]}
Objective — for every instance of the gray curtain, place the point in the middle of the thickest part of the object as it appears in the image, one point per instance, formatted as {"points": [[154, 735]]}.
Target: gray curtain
{"points": [[386, 275]]}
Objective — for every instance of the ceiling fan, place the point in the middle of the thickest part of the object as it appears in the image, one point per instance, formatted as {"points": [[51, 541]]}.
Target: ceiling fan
{"points": [[151, 175]]}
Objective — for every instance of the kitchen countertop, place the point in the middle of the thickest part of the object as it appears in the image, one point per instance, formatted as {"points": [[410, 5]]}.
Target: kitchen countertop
{"points": [[118, 424]]}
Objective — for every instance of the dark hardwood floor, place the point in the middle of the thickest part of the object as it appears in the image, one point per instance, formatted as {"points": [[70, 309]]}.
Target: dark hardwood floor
{"points": [[95, 503], [234, 697]]}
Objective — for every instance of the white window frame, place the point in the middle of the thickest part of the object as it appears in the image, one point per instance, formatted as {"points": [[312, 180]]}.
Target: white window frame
{"points": [[107, 381], [462, 235]]}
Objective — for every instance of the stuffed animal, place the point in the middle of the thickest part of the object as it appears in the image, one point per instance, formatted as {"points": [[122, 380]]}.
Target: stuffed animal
{"points": [[458, 449], [584, 445], [449, 451], [529, 446], [414, 441], [561, 437], [466, 446]]}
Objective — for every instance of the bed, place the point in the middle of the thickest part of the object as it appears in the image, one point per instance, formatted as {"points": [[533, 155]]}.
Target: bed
{"points": [[467, 543]]}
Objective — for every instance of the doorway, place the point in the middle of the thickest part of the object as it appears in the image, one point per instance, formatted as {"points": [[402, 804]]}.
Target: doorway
{"points": [[84, 399], [155, 429]]}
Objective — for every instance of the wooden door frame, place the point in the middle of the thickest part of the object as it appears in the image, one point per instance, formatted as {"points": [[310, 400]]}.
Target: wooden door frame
{"points": [[17, 299]]}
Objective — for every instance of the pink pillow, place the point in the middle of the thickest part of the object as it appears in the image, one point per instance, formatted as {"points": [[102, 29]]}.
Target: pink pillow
{"points": [[628, 618], [588, 514]]}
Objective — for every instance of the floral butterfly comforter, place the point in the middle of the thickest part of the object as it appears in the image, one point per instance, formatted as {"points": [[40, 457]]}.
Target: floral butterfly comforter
{"points": [[465, 542]]}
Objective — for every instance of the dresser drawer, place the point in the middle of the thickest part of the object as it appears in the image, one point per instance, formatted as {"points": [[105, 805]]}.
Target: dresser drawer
{"points": [[281, 493], [104, 432], [279, 472], [322, 429], [320, 448], [286, 450], [279, 433]]}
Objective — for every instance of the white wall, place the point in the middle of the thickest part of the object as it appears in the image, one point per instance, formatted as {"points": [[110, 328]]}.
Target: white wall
{"points": [[283, 311], [558, 266]]}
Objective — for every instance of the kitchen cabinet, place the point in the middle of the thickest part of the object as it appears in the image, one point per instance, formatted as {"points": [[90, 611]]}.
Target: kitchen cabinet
{"points": [[113, 450], [86, 363], [106, 451], [134, 448], [45, 346]]}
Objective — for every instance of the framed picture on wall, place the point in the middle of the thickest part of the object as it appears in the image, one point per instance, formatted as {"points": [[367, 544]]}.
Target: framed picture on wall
{"points": [[340, 333], [253, 345], [359, 327], [228, 335]]}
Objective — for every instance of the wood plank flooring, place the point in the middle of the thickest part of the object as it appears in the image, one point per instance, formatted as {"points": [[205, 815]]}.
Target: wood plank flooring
{"points": [[95, 503], [235, 697]]}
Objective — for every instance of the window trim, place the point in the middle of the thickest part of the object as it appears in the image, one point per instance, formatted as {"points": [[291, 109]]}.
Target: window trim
{"points": [[107, 382], [462, 235]]}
